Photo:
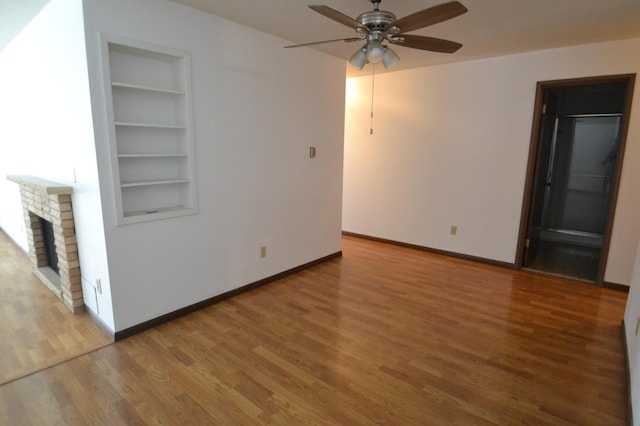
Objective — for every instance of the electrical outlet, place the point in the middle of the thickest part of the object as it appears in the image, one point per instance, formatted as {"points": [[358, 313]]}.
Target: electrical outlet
{"points": [[263, 251], [99, 285], [454, 230]]}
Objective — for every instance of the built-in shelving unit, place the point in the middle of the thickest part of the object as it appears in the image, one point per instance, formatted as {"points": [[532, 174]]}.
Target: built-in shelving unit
{"points": [[149, 115]]}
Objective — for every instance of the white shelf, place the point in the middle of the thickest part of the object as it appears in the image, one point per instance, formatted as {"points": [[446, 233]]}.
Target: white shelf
{"points": [[146, 88], [153, 182], [150, 125], [166, 211], [153, 156], [149, 92]]}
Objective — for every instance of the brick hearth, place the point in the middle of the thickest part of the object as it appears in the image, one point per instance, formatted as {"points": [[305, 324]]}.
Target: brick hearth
{"points": [[52, 202]]}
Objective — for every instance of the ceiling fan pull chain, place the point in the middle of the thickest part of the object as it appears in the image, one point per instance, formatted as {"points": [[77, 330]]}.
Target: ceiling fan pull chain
{"points": [[373, 82]]}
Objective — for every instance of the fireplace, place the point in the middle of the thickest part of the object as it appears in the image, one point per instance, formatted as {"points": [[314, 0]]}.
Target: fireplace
{"points": [[49, 240], [51, 234]]}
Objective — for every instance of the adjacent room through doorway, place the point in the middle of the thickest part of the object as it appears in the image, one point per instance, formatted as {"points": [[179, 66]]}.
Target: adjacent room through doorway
{"points": [[576, 154]]}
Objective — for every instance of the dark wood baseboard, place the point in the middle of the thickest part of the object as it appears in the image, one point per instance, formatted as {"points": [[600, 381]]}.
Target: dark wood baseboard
{"points": [[627, 374], [130, 331], [432, 250], [613, 286]]}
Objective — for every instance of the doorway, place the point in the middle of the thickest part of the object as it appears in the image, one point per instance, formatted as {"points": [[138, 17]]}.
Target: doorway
{"points": [[575, 161]]}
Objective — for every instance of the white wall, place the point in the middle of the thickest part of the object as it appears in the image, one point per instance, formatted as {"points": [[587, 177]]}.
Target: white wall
{"points": [[631, 317], [450, 147], [257, 109], [46, 131]]}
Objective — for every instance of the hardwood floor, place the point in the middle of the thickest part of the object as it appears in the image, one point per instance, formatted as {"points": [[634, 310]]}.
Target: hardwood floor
{"points": [[38, 331], [384, 334]]}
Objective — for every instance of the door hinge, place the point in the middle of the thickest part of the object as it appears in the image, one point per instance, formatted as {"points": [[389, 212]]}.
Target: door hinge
{"points": [[527, 243], [544, 109]]}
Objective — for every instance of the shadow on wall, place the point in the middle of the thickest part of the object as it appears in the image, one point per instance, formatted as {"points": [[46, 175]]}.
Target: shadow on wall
{"points": [[15, 16]]}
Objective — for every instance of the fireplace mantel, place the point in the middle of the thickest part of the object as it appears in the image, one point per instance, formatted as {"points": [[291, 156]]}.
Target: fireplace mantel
{"points": [[36, 184], [51, 201]]}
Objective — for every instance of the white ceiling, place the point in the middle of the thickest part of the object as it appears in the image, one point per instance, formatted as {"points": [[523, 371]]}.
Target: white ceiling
{"points": [[490, 28]]}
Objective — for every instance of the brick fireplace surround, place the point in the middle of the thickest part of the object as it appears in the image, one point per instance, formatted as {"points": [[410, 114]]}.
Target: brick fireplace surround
{"points": [[52, 202]]}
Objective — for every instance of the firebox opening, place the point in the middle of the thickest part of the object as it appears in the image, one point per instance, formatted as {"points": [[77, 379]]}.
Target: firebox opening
{"points": [[49, 245]]}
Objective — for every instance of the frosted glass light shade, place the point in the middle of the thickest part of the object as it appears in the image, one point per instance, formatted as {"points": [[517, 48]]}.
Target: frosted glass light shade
{"points": [[390, 58], [375, 52], [359, 59]]}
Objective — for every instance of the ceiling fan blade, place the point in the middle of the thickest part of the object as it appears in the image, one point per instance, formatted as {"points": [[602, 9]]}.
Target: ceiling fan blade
{"points": [[337, 16], [427, 17], [347, 40], [427, 43]]}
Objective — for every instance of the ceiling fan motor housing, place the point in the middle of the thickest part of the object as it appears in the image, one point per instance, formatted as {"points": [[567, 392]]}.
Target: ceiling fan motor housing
{"points": [[376, 20]]}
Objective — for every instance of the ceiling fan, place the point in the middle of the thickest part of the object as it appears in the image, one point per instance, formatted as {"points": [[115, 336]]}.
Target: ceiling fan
{"points": [[378, 26]]}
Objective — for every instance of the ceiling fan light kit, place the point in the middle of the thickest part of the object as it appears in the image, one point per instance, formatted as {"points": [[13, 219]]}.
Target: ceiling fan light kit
{"points": [[374, 53], [379, 26]]}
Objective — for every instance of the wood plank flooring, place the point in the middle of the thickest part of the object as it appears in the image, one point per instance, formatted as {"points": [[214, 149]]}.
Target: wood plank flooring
{"points": [[384, 334], [36, 329]]}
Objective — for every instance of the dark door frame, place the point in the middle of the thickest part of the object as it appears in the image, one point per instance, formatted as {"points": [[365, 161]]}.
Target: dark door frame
{"points": [[533, 150]]}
